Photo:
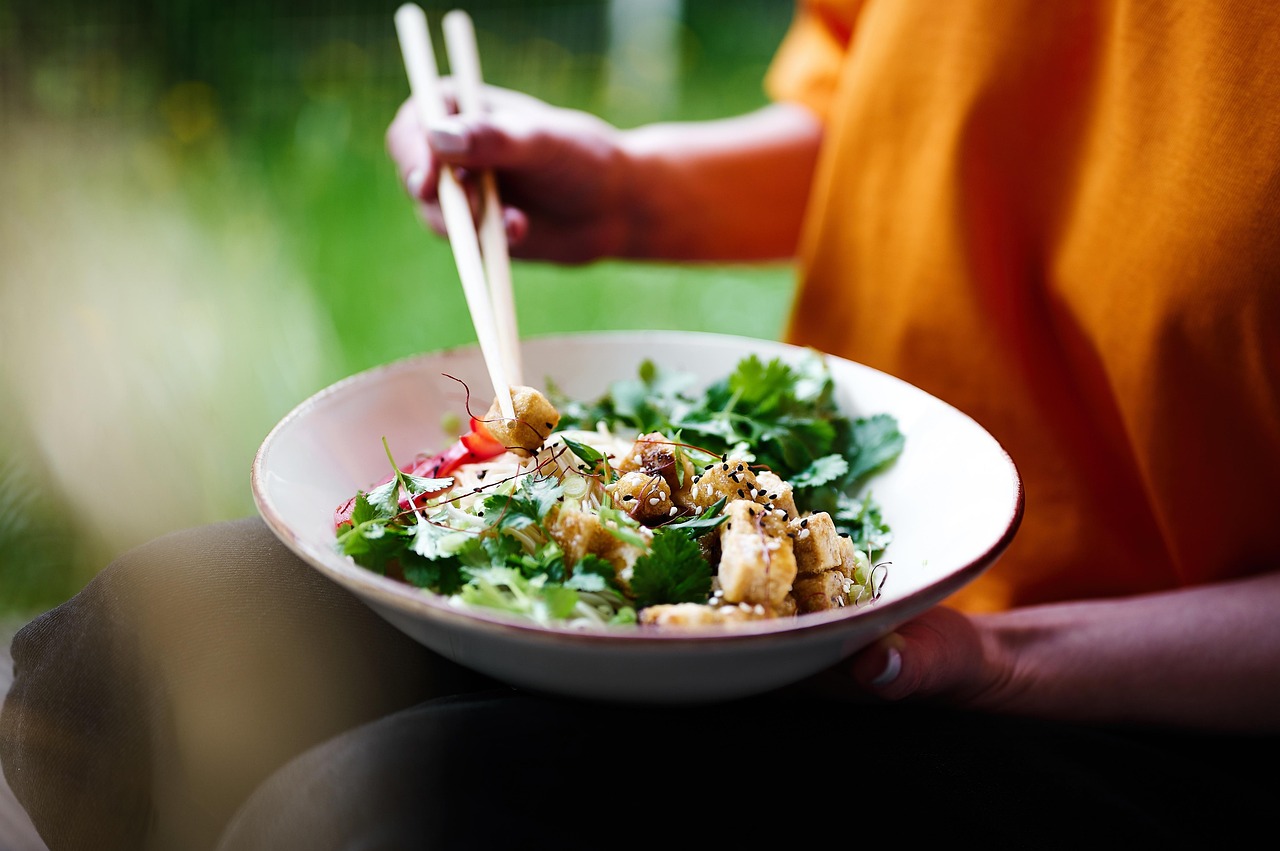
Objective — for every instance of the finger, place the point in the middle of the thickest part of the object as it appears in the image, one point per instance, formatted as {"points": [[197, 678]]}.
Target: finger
{"points": [[493, 140], [407, 145], [937, 653], [516, 224], [433, 217]]}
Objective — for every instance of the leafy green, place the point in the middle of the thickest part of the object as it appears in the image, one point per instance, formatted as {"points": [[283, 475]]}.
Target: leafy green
{"points": [[498, 552], [696, 527], [673, 571], [783, 414], [527, 506]]}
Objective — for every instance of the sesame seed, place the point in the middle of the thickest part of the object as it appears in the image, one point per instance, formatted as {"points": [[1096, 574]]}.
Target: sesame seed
{"points": [[773, 496], [741, 468], [802, 534], [627, 497], [741, 495], [672, 512], [653, 500], [481, 474]]}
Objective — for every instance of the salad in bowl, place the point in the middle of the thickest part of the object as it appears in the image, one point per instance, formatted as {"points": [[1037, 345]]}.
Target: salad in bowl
{"points": [[661, 503]]}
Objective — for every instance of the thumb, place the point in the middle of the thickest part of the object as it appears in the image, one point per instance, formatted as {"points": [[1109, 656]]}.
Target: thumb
{"points": [[935, 654], [482, 141]]}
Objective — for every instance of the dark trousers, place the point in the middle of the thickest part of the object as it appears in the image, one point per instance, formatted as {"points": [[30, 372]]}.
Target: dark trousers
{"points": [[210, 690]]}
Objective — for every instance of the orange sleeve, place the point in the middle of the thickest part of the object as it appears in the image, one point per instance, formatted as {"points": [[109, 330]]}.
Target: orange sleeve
{"points": [[809, 60], [1062, 219]]}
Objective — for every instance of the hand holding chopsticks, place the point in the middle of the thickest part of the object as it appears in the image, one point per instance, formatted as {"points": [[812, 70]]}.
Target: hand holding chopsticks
{"points": [[482, 257]]}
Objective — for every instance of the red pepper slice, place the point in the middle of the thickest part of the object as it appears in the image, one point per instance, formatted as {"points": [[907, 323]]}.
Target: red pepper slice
{"points": [[475, 446]]}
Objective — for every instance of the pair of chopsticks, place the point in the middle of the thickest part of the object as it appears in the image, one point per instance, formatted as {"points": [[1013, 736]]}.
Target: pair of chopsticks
{"points": [[481, 257]]}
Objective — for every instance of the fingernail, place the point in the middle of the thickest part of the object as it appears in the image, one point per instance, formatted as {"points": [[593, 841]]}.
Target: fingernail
{"points": [[892, 667], [448, 137], [414, 182]]}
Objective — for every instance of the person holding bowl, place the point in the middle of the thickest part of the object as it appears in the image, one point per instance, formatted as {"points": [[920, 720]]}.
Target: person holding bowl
{"points": [[1061, 219]]}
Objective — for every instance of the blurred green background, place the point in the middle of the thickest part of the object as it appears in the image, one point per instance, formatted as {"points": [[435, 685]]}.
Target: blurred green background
{"points": [[199, 227]]}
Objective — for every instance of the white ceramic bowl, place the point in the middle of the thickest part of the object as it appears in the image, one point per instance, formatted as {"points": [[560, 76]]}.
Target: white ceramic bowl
{"points": [[953, 500]]}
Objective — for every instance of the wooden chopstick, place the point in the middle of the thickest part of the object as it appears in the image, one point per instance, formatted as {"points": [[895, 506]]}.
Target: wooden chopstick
{"points": [[424, 85], [464, 65]]}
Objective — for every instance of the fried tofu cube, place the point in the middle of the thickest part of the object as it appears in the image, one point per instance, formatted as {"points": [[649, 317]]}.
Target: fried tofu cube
{"points": [[658, 454], [757, 562], [773, 490], [645, 496], [535, 419], [580, 533], [730, 479], [817, 543], [698, 615], [853, 561], [818, 592]]}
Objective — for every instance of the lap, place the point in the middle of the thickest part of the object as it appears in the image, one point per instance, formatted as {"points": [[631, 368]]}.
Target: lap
{"points": [[501, 769], [212, 678]]}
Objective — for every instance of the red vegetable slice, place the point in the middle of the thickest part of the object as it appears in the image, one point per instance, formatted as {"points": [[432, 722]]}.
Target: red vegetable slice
{"points": [[474, 446]]}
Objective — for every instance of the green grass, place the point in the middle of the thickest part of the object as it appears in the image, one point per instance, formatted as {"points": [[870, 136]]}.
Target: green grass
{"points": [[203, 228]]}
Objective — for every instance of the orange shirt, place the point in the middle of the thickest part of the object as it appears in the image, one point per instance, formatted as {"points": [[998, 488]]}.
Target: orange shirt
{"points": [[1064, 219]]}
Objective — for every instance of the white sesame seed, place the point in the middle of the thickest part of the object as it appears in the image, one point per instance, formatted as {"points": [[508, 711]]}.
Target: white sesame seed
{"points": [[653, 500], [803, 533], [672, 512]]}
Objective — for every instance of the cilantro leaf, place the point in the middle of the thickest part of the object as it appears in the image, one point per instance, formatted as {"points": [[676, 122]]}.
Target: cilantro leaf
{"points": [[875, 441], [441, 575], [828, 468], [527, 506], [673, 571], [696, 527]]}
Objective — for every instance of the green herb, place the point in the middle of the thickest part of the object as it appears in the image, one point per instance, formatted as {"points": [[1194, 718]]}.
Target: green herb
{"points": [[673, 571], [777, 414]]}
